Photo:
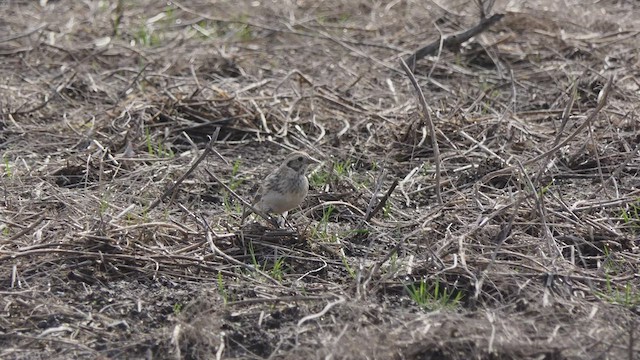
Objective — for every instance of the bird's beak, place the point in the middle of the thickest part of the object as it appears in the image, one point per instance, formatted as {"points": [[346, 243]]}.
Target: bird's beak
{"points": [[314, 160]]}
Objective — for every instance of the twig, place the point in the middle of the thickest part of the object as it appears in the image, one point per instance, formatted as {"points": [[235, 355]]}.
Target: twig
{"points": [[602, 101], [538, 197], [383, 201], [376, 189], [26, 230], [483, 147], [281, 299], [452, 41], [308, 211], [426, 114], [498, 240], [132, 82], [326, 309], [566, 112], [175, 185], [231, 259], [243, 201], [616, 172], [54, 92], [26, 33]]}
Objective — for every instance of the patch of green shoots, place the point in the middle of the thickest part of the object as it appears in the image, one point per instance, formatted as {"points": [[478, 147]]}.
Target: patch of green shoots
{"points": [[118, 12], [7, 166], [374, 165], [221, 290], [177, 309], [146, 36], [254, 260], [433, 298], [342, 168], [245, 33], [326, 215], [627, 296], [319, 178], [344, 17], [157, 149], [348, 267], [277, 271], [320, 231], [426, 169], [104, 205], [393, 264], [170, 14], [236, 180], [386, 209], [631, 216], [542, 191]]}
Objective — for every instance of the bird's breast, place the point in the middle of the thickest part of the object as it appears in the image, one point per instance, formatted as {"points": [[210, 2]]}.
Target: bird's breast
{"points": [[286, 197]]}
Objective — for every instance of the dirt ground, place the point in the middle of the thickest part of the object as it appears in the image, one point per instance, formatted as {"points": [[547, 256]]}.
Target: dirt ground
{"points": [[516, 237]]}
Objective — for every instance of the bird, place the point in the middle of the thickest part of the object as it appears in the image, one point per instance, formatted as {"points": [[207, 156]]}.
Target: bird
{"points": [[285, 187]]}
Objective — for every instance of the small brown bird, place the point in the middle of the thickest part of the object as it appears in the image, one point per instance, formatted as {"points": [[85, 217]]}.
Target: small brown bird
{"points": [[285, 188]]}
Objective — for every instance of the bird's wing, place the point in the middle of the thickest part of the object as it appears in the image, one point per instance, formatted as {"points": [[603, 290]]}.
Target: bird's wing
{"points": [[270, 182]]}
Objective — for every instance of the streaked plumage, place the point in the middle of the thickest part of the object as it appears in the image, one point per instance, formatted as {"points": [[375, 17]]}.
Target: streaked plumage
{"points": [[286, 187]]}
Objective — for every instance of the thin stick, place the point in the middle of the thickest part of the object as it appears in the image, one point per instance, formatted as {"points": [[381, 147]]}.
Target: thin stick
{"points": [[383, 201], [27, 229], [282, 299], [124, 91], [498, 240], [243, 201], [452, 40], [426, 114], [323, 312], [229, 258], [24, 34], [374, 195], [602, 101], [175, 185]]}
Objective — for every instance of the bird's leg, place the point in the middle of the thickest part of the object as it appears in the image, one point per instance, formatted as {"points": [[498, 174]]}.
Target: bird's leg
{"points": [[285, 221], [244, 215], [279, 221], [274, 221]]}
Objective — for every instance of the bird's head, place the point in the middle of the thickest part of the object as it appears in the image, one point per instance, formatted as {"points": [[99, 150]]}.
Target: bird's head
{"points": [[298, 161]]}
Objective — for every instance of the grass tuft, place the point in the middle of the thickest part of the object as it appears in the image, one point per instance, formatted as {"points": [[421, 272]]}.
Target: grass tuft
{"points": [[435, 297]]}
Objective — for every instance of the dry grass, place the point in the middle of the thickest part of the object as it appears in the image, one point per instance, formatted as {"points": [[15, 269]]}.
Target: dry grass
{"points": [[104, 105]]}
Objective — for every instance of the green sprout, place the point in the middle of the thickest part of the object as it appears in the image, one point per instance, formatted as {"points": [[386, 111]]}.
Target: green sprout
{"points": [[177, 308], [386, 210], [626, 296], [221, 289], [7, 165], [348, 267], [146, 36], [318, 178], [321, 229], [104, 205], [277, 272], [631, 216], [158, 149], [229, 205], [342, 167], [254, 260], [438, 298]]}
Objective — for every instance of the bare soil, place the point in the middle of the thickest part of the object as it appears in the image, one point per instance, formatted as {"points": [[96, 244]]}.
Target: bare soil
{"points": [[521, 231]]}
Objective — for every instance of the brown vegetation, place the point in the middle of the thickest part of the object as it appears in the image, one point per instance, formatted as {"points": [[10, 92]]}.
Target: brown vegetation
{"points": [[531, 254]]}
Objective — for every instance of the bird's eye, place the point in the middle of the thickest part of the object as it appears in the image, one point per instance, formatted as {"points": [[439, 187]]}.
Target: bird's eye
{"points": [[300, 158]]}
